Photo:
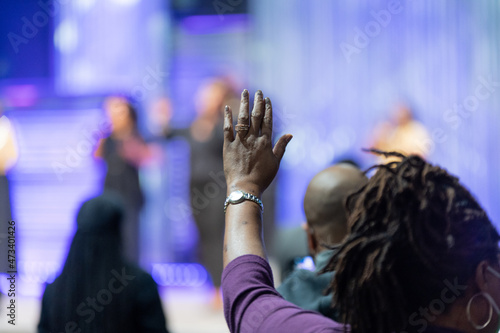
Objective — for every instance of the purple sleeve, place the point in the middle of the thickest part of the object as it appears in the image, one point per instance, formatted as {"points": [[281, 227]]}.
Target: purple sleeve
{"points": [[251, 304]]}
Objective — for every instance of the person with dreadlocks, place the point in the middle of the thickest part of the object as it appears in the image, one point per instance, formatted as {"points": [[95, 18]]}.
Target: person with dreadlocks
{"points": [[421, 254], [98, 290], [326, 227]]}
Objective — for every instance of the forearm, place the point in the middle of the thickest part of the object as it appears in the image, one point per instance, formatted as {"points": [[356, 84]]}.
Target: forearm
{"points": [[243, 233]]}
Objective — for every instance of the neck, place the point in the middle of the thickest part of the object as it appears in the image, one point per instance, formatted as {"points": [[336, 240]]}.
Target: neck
{"points": [[456, 318], [123, 133]]}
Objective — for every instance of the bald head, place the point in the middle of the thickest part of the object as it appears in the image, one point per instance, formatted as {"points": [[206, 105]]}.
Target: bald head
{"points": [[325, 198]]}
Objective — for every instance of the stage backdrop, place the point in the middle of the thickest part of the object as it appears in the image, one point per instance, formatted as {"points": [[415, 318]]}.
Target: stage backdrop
{"points": [[336, 68]]}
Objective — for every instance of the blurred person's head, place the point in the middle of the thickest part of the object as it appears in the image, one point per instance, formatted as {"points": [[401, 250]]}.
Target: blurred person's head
{"points": [[101, 215], [350, 161], [324, 205], [121, 113], [402, 114], [8, 144], [212, 96], [97, 241], [160, 114], [420, 251]]}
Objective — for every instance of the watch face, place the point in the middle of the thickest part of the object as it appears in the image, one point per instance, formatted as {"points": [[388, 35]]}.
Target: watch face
{"points": [[236, 196]]}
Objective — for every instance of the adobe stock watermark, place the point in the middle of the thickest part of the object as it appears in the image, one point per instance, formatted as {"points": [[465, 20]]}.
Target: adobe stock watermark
{"points": [[371, 30], [282, 119], [87, 309], [459, 112], [31, 26], [200, 199], [76, 155], [437, 306], [150, 82], [225, 6]]}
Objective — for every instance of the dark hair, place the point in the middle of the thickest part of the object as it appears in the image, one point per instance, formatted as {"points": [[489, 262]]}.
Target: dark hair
{"points": [[94, 253], [412, 229], [132, 107], [132, 111], [133, 114]]}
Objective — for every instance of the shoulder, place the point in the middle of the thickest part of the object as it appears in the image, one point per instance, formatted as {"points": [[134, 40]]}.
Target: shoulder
{"points": [[50, 289], [141, 280], [139, 274], [296, 279]]}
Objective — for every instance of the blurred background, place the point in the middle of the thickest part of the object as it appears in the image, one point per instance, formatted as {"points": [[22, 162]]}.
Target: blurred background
{"points": [[342, 75]]}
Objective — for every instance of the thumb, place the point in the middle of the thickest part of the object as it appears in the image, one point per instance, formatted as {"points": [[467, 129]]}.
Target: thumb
{"points": [[280, 146]]}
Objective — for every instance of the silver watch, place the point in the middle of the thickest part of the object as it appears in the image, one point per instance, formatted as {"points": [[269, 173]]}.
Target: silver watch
{"points": [[237, 197]]}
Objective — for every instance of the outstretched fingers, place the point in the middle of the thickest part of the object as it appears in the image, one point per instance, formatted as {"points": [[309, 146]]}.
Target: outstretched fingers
{"points": [[243, 126], [257, 113], [280, 146], [267, 130], [267, 122], [228, 125]]}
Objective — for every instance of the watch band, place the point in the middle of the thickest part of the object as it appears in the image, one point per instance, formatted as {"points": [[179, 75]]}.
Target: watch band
{"points": [[239, 196]]}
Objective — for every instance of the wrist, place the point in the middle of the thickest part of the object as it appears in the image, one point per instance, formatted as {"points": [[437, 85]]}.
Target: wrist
{"points": [[239, 197], [248, 187]]}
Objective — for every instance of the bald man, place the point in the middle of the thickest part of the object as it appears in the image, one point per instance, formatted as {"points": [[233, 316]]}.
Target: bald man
{"points": [[324, 206]]}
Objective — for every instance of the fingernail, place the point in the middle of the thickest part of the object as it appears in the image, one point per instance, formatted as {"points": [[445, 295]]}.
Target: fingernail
{"points": [[245, 93], [226, 108], [289, 139], [268, 101], [258, 93]]}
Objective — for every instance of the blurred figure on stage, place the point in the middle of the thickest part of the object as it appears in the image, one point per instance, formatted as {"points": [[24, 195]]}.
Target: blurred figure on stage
{"points": [[402, 133], [207, 184], [8, 157], [160, 114], [124, 151], [99, 290]]}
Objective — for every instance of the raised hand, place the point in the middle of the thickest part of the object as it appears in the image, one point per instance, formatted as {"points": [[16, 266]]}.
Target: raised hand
{"points": [[250, 161]]}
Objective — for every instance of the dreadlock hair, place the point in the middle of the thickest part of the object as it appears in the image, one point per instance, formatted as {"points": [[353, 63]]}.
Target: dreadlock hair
{"points": [[412, 228]]}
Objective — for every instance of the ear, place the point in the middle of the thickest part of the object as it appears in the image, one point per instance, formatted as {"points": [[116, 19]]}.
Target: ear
{"points": [[483, 276], [312, 243]]}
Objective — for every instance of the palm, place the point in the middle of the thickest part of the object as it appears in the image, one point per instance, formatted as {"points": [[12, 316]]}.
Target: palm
{"points": [[249, 156]]}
